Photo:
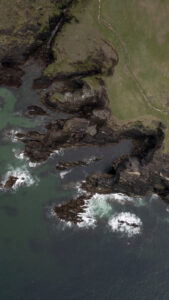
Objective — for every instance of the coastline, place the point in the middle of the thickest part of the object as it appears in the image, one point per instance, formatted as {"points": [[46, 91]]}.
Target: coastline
{"points": [[79, 91]]}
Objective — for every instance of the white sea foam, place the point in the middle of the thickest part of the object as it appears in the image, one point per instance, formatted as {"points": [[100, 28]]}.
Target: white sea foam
{"points": [[12, 134], [64, 173], [90, 160], [59, 152], [18, 154], [114, 197], [52, 215], [126, 223], [34, 164], [123, 199], [153, 197], [23, 175], [87, 217], [94, 209], [100, 206], [79, 190]]}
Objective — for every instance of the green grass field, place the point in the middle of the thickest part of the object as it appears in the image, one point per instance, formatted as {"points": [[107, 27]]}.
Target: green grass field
{"points": [[139, 32]]}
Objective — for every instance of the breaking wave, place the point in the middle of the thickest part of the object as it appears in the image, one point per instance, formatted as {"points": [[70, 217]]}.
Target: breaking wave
{"points": [[94, 209], [24, 178], [13, 135], [126, 223], [20, 155], [100, 207], [64, 173], [59, 152]]}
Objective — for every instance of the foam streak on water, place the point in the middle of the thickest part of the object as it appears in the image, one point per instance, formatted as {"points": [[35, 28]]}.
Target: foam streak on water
{"points": [[64, 173]]}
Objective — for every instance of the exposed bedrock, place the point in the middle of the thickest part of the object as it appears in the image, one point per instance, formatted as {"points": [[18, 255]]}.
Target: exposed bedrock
{"points": [[86, 102], [70, 211]]}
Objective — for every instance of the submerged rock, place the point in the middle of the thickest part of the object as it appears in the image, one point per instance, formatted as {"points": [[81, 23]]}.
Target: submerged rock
{"points": [[72, 164], [36, 110]]}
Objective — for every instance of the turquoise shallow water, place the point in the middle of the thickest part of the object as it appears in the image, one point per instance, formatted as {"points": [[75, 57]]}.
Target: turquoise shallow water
{"points": [[42, 259]]}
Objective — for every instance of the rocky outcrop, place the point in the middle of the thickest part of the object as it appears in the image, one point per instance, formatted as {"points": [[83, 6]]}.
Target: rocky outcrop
{"points": [[99, 183], [69, 212], [142, 172], [10, 182], [36, 110], [72, 164], [83, 101]]}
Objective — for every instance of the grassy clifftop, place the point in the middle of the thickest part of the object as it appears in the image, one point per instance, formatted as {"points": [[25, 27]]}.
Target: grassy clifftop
{"points": [[139, 32], [80, 46]]}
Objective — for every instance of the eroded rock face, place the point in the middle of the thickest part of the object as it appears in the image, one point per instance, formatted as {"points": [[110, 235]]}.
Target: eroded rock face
{"points": [[81, 101]]}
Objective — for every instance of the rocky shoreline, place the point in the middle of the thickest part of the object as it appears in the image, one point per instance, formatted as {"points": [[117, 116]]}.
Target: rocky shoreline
{"points": [[90, 121]]}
